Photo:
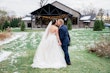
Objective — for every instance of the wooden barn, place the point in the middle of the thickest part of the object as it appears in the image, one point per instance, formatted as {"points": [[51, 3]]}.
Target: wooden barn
{"points": [[75, 14], [41, 17]]}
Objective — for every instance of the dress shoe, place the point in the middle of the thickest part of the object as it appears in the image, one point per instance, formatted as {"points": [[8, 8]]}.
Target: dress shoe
{"points": [[69, 64]]}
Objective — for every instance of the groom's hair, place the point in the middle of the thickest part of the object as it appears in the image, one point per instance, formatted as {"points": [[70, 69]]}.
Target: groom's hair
{"points": [[61, 20]]}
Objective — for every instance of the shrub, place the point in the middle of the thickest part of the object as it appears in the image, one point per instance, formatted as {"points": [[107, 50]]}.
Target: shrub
{"points": [[5, 35], [97, 26], [22, 26], [0, 26], [15, 22], [102, 48], [5, 25], [102, 23], [69, 24]]}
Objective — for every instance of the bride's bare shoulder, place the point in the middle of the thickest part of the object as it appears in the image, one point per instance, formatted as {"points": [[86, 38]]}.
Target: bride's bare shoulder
{"points": [[56, 27], [53, 26]]}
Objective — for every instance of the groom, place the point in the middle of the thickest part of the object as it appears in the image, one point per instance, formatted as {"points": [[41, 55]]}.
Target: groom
{"points": [[65, 39]]}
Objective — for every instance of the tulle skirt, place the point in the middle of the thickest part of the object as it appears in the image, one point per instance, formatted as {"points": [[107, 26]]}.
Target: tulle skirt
{"points": [[49, 54]]}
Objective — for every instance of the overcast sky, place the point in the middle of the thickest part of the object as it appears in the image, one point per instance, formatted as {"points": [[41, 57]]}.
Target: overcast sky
{"points": [[24, 7]]}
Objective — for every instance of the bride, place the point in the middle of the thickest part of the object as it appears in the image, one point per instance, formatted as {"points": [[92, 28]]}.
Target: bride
{"points": [[49, 53]]}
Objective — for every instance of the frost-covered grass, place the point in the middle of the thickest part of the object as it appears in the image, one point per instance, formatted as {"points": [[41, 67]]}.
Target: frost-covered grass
{"points": [[28, 29], [23, 50]]}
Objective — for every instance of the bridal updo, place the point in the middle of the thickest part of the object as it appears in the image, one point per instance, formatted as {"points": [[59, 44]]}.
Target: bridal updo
{"points": [[54, 21]]}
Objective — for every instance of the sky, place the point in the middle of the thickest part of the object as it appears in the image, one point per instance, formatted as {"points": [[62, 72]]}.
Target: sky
{"points": [[25, 7]]}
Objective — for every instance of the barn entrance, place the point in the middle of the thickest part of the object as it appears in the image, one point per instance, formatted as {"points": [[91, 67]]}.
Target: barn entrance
{"points": [[47, 13]]}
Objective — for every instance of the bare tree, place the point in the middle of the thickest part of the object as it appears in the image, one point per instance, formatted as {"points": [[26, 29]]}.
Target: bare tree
{"points": [[89, 10], [11, 14], [43, 2], [3, 15], [107, 14], [101, 13], [6, 15]]}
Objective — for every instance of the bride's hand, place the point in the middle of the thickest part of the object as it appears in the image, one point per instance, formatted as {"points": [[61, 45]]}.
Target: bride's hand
{"points": [[60, 43]]}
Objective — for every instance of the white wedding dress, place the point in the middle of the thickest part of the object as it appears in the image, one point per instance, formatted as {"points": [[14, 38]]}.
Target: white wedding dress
{"points": [[49, 54]]}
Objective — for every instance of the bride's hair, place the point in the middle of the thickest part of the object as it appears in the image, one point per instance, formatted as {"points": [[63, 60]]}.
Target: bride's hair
{"points": [[54, 21]]}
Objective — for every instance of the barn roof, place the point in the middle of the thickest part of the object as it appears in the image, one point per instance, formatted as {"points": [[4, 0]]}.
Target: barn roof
{"points": [[70, 9], [49, 10]]}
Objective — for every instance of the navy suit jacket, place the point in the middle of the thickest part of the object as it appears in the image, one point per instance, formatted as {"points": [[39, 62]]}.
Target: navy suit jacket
{"points": [[64, 35]]}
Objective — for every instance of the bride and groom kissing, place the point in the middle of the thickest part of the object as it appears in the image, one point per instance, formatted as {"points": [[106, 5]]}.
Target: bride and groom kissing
{"points": [[52, 51]]}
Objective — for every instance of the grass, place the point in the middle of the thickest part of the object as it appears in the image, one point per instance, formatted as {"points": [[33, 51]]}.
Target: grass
{"points": [[26, 30], [82, 62]]}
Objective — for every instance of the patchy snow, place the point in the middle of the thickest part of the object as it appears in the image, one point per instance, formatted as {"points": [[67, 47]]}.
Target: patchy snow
{"points": [[13, 37], [94, 18], [16, 72], [15, 55], [4, 55], [85, 18], [26, 19], [87, 21]]}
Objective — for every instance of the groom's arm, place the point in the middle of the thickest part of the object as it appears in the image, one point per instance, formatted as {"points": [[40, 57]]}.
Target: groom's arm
{"points": [[62, 34]]}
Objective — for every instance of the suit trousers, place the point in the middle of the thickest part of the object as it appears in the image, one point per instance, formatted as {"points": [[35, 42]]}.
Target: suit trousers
{"points": [[66, 54]]}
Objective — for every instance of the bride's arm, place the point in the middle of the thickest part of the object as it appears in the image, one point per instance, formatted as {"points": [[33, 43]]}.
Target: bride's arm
{"points": [[57, 35]]}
